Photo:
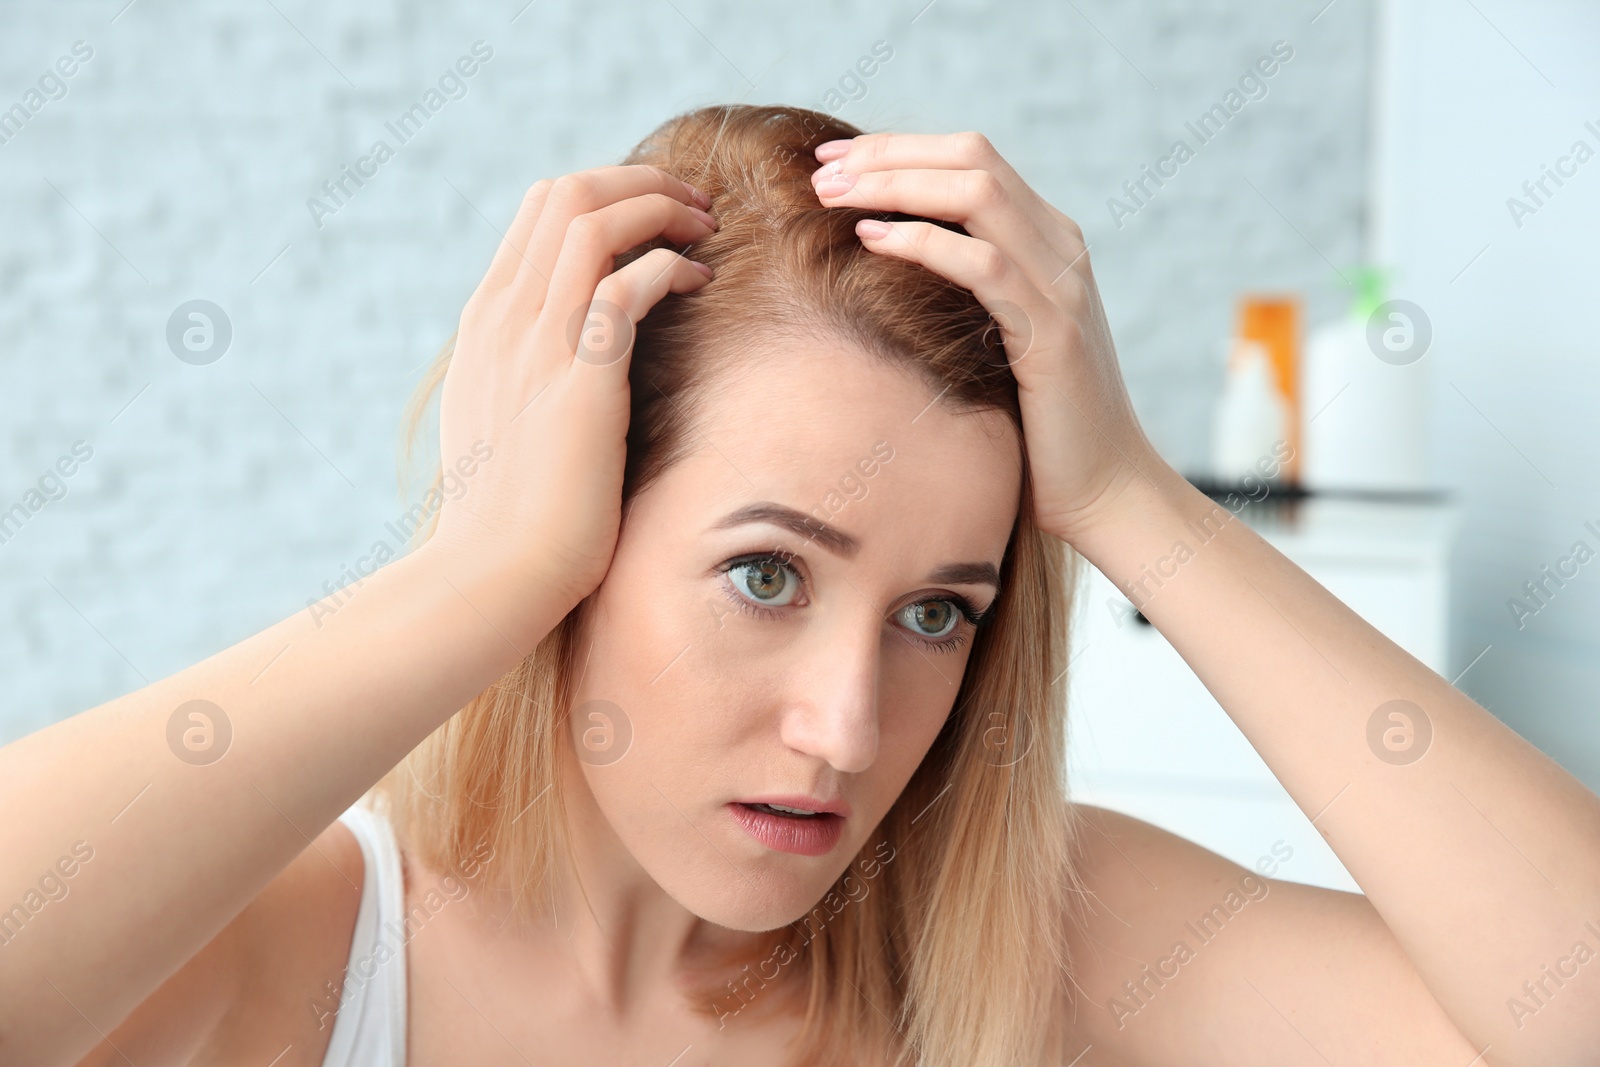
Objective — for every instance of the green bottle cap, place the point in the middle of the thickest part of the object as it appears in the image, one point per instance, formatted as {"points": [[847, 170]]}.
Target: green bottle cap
{"points": [[1370, 283]]}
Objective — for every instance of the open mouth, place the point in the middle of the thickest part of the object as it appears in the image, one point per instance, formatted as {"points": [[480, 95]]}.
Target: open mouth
{"points": [[792, 830], [788, 813]]}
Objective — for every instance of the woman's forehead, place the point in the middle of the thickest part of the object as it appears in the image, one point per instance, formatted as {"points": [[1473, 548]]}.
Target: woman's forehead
{"points": [[833, 399], [852, 445]]}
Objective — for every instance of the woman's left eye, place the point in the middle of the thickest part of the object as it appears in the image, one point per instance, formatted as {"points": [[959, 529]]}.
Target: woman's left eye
{"points": [[761, 582], [940, 614], [771, 580]]}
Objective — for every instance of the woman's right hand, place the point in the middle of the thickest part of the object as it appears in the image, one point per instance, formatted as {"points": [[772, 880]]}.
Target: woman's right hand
{"points": [[538, 381], [318, 708]]}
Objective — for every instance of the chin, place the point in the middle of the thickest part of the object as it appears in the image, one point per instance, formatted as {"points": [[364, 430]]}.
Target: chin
{"points": [[756, 920], [768, 901]]}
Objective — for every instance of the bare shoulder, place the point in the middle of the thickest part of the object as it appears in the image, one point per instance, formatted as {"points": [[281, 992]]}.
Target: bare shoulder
{"points": [[267, 985], [1184, 957]]}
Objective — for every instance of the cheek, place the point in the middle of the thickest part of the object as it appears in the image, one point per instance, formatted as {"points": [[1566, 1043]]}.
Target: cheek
{"points": [[656, 712], [909, 723]]}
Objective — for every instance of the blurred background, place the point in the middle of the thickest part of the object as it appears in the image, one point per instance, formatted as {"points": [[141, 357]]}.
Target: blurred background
{"points": [[1374, 242]]}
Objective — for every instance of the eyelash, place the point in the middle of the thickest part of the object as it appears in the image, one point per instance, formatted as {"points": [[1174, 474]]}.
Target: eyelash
{"points": [[947, 644]]}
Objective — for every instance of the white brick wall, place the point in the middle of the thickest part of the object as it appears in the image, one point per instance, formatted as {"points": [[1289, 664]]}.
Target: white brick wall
{"points": [[178, 165]]}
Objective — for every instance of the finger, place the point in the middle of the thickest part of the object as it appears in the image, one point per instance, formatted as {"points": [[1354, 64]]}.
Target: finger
{"points": [[922, 151], [581, 193], [594, 240], [623, 298], [980, 202], [514, 242], [1031, 326]]}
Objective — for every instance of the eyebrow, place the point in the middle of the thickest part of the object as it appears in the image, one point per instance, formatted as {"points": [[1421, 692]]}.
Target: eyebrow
{"points": [[842, 544]]}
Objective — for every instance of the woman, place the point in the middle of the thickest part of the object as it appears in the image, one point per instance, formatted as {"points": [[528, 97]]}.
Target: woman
{"points": [[718, 715]]}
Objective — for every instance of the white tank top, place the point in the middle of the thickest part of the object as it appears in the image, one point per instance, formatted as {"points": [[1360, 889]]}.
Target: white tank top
{"points": [[369, 1029]]}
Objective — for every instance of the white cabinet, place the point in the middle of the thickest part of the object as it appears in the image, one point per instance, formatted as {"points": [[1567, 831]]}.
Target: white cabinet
{"points": [[1146, 738]]}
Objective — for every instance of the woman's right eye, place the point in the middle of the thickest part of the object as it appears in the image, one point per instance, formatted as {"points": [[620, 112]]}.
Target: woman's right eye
{"points": [[765, 582]]}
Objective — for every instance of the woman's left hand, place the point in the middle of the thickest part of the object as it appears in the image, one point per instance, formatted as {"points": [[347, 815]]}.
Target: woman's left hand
{"points": [[1027, 263]]}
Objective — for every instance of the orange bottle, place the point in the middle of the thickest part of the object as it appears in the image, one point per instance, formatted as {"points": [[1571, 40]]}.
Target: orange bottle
{"points": [[1273, 321]]}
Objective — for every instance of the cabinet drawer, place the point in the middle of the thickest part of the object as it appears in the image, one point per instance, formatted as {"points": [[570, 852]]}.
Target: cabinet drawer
{"points": [[1146, 738]]}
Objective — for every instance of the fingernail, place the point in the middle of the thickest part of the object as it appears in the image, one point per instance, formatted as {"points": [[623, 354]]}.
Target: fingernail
{"points": [[827, 170], [697, 196], [872, 228], [704, 217], [832, 149], [836, 185], [701, 267]]}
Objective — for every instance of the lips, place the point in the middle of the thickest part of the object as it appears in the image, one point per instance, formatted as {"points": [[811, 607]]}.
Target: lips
{"points": [[802, 835]]}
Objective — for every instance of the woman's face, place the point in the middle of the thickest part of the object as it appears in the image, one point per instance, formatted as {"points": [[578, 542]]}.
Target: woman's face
{"points": [[825, 672]]}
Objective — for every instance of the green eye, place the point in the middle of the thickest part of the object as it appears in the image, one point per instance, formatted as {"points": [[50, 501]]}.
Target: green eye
{"points": [[765, 581], [942, 615], [761, 584]]}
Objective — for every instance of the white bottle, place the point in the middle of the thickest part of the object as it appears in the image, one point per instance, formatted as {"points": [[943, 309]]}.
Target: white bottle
{"points": [[1364, 417], [1251, 419]]}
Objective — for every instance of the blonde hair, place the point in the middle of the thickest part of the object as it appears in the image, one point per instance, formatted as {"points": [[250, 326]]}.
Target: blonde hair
{"points": [[957, 953]]}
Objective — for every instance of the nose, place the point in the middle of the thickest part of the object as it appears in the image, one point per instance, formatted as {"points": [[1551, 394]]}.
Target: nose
{"points": [[832, 709]]}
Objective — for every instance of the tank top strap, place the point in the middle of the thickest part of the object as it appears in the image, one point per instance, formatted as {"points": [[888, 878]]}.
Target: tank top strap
{"points": [[369, 1029]]}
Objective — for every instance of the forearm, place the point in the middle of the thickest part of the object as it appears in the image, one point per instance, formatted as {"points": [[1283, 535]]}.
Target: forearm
{"points": [[1483, 855], [318, 710]]}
